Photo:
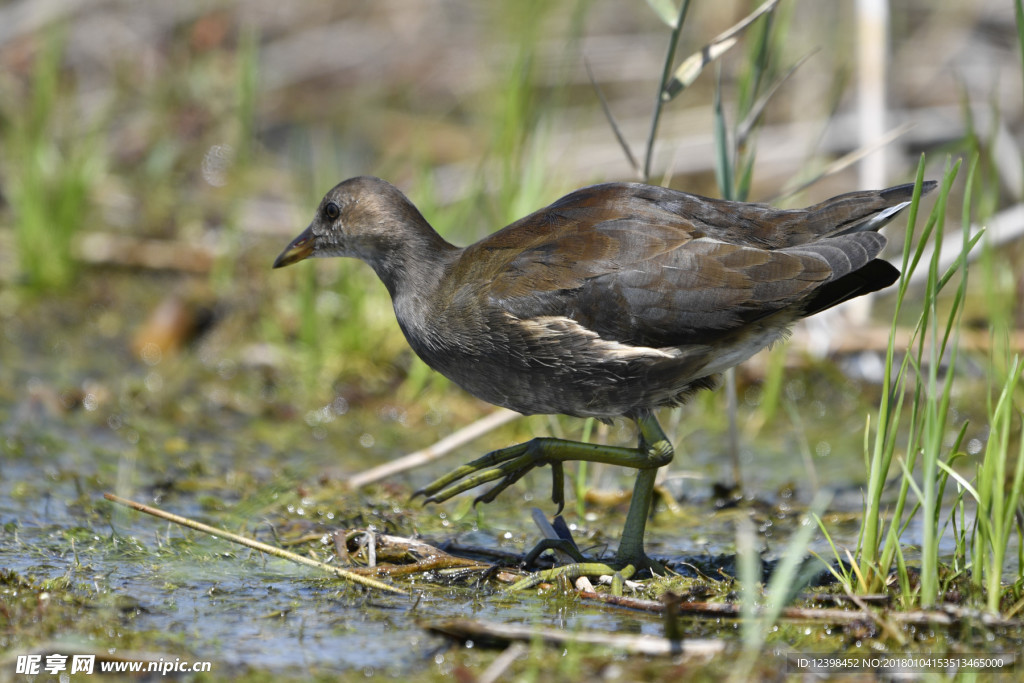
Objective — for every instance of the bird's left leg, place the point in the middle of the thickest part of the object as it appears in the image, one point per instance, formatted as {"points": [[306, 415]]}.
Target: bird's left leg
{"points": [[508, 465]]}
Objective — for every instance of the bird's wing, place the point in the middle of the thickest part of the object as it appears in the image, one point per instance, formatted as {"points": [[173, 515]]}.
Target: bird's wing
{"points": [[637, 280]]}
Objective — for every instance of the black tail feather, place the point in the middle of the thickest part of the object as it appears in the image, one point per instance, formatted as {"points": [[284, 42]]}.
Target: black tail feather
{"points": [[876, 275]]}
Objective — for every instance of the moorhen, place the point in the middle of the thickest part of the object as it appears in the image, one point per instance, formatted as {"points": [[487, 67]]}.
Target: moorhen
{"points": [[615, 300]]}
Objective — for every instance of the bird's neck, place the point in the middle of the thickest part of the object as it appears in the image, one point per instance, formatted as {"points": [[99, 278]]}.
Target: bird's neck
{"points": [[413, 261]]}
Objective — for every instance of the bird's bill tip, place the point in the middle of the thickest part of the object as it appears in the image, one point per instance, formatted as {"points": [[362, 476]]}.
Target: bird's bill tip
{"points": [[300, 248]]}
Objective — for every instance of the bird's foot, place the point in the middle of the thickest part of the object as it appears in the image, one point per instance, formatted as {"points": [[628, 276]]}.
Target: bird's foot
{"points": [[558, 538], [508, 465], [564, 545], [621, 568], [642, 563], [572, 572]]}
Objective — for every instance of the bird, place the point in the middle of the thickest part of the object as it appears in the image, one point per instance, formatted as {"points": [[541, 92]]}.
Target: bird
{"points": [[613, 301]]}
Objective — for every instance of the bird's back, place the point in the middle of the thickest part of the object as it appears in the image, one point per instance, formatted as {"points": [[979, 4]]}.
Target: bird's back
{"points": [[620, 297], [652, 266]]}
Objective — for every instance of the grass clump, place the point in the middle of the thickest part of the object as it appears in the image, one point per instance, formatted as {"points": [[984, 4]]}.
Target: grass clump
{"points": [[913, 433], [50, 166]]}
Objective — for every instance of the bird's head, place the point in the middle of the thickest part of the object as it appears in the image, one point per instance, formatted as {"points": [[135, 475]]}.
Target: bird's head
{"points": [[361, 217]]}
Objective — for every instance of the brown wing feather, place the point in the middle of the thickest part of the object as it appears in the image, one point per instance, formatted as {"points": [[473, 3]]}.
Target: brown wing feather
{"points": [[656, 267]]}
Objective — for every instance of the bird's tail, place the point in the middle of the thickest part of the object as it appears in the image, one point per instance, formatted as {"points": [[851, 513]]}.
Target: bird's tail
{"points": [[862, 211]]}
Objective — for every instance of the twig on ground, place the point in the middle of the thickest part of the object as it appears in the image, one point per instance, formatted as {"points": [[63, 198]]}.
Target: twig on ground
{"points": [[491, 632], [944, 616], [430, 453], [255, 545]]}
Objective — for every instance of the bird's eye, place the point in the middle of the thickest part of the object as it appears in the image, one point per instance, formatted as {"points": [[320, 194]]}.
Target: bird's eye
{"points": [[332, 211]]}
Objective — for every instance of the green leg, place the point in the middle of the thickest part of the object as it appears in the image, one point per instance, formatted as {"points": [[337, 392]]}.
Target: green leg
{"points": [[508, 465], [631, 545]]}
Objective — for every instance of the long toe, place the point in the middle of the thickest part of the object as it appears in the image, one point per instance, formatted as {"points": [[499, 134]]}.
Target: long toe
{"points": [[448, 486]]}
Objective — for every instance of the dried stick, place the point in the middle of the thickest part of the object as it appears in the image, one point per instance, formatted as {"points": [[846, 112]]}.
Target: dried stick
{"points": [[255, 545], [944, 616], [491, 632], [431, 453]]}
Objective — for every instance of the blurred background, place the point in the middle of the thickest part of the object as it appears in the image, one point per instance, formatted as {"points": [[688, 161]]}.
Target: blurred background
{"points": [[156, 157]]}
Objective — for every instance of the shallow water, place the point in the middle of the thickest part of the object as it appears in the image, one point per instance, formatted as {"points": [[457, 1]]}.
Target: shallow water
{"points": [[213, 436]]}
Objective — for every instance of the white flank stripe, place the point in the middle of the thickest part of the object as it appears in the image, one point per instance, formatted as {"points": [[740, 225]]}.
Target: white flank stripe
{"points": [[553, 327]]}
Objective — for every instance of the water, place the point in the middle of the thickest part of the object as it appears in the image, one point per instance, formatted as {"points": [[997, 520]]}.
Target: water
{"points": [[213, 435]]}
